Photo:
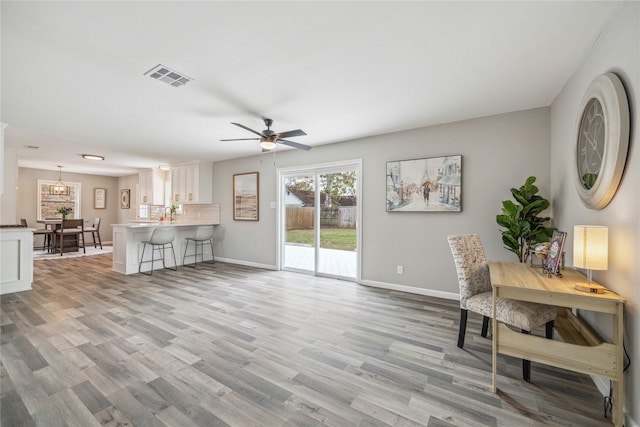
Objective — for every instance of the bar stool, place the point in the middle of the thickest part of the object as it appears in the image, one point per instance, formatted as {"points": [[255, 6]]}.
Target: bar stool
{"points": [[203, 234], [160, 239]]}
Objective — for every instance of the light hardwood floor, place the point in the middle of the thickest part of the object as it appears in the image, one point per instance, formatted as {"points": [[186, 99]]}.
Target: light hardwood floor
{"points": [[231, 345]]}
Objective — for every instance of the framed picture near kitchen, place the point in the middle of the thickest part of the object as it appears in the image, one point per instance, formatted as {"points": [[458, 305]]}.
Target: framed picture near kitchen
{"points": [[99, 198], [125, 201], [245, 196]]}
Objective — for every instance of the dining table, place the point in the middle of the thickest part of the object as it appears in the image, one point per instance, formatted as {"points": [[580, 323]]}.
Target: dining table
{"points": [[71, 243]]}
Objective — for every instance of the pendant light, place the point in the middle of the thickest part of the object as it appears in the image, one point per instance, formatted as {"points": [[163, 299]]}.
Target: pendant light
{"points": [[59, 188]]}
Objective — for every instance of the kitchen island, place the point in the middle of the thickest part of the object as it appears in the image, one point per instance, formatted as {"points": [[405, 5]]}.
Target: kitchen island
{"points": [[128, 238]]}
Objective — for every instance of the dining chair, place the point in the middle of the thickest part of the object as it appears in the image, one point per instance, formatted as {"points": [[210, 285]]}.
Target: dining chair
{"points": [[95, 231], [204, 234], [476, 295], [44, 232], [70, 228], [161, 238]]}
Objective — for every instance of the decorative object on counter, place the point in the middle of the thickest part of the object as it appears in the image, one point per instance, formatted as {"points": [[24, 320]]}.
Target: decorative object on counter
{"points": [[173, 208], [591, 252], [425, 185], [245, 196], [602, 141], [59, 188], [551, 263], [125, 199], [523, 227], [64, 211], [99, 198]]}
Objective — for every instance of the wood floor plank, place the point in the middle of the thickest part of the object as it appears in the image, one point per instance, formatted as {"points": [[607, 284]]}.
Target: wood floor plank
{"points": [[228, 345]]}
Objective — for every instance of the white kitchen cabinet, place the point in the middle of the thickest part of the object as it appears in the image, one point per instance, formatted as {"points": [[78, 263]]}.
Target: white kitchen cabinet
{"points": [[192, 183], [152, 187]]}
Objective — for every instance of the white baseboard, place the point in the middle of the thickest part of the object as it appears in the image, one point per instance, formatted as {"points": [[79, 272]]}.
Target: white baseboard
{"points": [[411, 289], [246, 263]]}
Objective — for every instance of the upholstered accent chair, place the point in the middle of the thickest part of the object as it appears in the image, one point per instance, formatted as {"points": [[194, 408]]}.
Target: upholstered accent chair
{"points": [[476, 295]]}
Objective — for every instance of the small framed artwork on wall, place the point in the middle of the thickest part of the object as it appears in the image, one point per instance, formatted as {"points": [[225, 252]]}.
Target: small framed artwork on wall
{"points": [[245, 196], [99, 198], [125, 199]]}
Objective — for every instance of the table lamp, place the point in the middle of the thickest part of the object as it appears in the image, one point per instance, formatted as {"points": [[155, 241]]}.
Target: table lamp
{"points": [[591, 252]]}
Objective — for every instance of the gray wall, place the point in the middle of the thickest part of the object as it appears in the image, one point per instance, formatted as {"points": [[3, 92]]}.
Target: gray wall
{"points": [[617, 50], [27, 198], [499, 153]]}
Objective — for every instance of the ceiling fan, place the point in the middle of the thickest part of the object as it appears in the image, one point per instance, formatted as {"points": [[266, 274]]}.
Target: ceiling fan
{"points": [[269, 138]]}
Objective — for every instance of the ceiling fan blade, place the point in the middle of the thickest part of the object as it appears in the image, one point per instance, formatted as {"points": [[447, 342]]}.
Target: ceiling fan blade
{"points": [[294, 144], [246, 128], [241, 139], [291, 133]]}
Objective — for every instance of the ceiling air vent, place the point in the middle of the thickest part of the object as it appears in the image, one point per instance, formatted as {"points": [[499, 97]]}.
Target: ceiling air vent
{"points": [[167, 75]]}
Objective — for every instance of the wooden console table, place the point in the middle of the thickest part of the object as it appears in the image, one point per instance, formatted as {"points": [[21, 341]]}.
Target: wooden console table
{"points": [[581, 351]]}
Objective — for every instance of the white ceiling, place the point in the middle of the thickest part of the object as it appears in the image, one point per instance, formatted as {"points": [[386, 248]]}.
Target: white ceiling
{"points": [[73, 83]]}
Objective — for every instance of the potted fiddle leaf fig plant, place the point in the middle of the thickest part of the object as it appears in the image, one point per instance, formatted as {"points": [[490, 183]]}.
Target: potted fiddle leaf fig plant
{"points": [[523, 227]]}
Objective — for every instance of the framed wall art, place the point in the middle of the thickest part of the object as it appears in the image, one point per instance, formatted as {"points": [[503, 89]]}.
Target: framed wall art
{"points": [[99, 198], [432, 184], [125, 199], [245, 197]]}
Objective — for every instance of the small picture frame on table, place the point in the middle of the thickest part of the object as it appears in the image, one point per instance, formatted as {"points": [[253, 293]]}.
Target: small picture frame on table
{"points": [[551, 264]]}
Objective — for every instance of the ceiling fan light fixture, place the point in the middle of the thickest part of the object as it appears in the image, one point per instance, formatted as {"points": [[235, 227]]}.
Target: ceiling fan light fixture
{"points": [[268, 143]]}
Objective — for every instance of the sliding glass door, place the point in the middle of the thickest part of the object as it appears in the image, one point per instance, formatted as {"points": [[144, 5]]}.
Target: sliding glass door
{"points": [[319, 218]]}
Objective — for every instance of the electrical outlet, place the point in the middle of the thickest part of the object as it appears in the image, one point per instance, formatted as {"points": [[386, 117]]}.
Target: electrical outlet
{"points": [[400, 269]]}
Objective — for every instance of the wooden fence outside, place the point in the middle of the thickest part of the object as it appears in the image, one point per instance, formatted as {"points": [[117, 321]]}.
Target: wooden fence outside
{"points": [[303, 217]]}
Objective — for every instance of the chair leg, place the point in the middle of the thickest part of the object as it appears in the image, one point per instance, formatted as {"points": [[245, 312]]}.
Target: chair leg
{"points": [[142, 258], [549, 329], [184, 256], [99, 239], [526, 365], [463, 327], [175, 262], [485, 326], [213, 258]]}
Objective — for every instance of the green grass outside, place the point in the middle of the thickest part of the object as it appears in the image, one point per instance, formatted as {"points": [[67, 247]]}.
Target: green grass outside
{"points": [[343, 239]]}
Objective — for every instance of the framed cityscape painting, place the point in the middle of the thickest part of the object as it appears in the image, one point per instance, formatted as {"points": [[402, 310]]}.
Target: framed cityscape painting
{"points": [[432, 184]]}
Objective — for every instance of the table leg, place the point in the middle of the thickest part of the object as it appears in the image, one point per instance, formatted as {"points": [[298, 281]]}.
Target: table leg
{"points": [[618, 390], [494, 352]]}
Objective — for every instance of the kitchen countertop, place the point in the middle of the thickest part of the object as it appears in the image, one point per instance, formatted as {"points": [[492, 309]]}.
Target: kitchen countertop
{"points": [[163, 224]]}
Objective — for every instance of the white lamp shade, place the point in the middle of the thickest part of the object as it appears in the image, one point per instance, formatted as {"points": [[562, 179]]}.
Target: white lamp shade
{"points": [[591, 247], [267, 143]]}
